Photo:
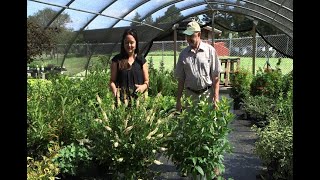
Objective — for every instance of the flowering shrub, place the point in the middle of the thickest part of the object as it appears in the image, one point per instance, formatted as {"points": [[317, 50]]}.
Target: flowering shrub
{"points": [[127, 140]]}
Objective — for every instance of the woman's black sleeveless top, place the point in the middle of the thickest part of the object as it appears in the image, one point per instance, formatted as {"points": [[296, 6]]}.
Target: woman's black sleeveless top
{"points": [[127, 78]]}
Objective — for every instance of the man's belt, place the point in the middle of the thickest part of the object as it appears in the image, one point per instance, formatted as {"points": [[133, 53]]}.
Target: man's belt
{"points": [[200, 91]]}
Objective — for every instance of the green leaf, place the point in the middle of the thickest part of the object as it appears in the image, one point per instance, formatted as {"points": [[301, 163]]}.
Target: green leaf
{"points": [[206, 147], [199, 169], [194, 160]]}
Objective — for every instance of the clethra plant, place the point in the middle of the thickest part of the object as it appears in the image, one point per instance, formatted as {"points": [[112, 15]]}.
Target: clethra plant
{"points": [[127, 139]]}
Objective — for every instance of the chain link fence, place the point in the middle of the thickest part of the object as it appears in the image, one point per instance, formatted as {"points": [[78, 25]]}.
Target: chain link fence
{"points": [[162, 51], [161, 55]]}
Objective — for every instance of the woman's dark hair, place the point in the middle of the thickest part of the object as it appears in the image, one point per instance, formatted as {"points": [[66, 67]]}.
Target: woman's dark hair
{"points": [[134, 33]]}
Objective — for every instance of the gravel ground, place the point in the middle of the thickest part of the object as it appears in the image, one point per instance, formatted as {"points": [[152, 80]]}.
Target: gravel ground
{"points": [[241, 164]]}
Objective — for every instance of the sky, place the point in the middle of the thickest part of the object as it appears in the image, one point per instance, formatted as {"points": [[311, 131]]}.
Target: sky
{"points": [[118, 9]]}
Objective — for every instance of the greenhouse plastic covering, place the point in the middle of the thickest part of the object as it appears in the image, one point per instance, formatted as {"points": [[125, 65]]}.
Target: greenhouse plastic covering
{"points": [[103, 21]]}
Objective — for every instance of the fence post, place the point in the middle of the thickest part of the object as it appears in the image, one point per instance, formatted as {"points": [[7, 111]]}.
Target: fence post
{"points": [[230, 43], [255, 22], [162, 50], [212, 26], [175, 26]]}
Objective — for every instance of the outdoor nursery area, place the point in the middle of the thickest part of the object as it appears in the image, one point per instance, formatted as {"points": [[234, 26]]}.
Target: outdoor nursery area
{"points": [[78, 130]]}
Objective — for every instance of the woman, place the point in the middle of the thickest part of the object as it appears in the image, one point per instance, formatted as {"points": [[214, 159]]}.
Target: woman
{"points": [[129, 70]]}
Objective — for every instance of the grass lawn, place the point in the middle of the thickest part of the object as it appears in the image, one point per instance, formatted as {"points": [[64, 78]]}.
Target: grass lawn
{"points": [[76, 65], [245, 62]]}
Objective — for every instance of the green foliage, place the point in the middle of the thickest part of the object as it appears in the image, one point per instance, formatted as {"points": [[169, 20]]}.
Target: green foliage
{"points": [[162, 81], [287, 84], [151, 64], [259, 109], [240, 81], [67, 110], [63, 111], [127, 140], [72, 159], [267, 83], [198, 144], [161, 66], [275, 143], [273, 114], [45, 168], [268, 89], [102, 63], [40, 128]]}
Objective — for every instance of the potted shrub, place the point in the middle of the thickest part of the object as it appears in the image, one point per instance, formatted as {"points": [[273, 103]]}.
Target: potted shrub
{"points": [[198, 144]]}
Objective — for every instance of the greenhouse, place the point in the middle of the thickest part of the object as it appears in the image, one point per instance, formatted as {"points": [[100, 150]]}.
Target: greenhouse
{"points": [[77, 129]]}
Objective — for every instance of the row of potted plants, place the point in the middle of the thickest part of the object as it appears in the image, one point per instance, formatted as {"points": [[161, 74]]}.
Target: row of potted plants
{"points": [[91, 137]]}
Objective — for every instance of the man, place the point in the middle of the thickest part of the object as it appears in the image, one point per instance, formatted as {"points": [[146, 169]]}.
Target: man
{"points": [[198, 69]]}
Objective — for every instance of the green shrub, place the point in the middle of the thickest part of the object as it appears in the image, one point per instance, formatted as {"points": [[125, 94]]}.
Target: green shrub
{"points": [[259, 109], [240, 81], [275, 143], [162, 81], [45, 168], [40, 128], [198, 144], [267, 83], [275, 149], [73, 159], [126, 140]]}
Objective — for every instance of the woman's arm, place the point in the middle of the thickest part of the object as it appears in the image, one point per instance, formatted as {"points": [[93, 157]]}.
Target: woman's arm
{"points": [[145, 85], [113, 78], [145, 71]]}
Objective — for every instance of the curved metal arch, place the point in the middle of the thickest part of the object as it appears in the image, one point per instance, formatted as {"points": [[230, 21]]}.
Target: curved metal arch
{"points": [[283, 28], [138, 5], [273, 11], [280, 4], [235, 5], [279, 24], [247, 11], [204, 11], [188, 7], [58, 14], [254, 4], [284, 7], [160, 7], [155, 10], [81, 29]]}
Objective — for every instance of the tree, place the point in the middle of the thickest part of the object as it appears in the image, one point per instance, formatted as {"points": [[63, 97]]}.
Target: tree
{"points": [[148, 20], [237, 24], [136, 18], [43, 17], [38, 40], [171, 15], [63, 34]]}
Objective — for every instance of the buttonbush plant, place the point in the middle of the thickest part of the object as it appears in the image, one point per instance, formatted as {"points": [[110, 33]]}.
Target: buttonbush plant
{"points": [[198, 144]]}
